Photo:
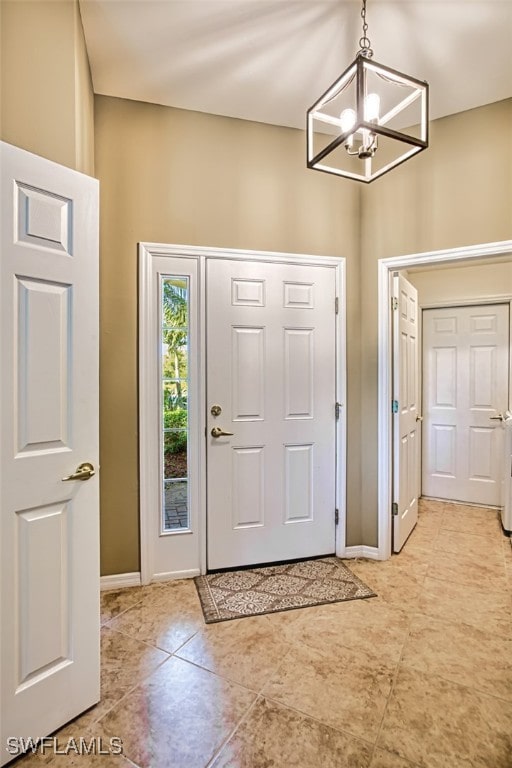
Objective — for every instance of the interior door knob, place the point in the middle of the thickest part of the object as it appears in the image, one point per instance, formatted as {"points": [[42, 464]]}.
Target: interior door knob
{"points": [[83, 472], [499, 417], [219, 432]]}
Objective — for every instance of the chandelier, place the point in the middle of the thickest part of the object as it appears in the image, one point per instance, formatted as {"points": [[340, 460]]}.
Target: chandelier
{"points": [[371, 119]]}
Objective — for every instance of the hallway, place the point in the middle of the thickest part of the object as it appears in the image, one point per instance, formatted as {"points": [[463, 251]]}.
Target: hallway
{"points": [[419, 676]]}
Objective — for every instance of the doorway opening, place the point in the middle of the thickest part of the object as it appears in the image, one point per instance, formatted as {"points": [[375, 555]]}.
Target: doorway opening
{"points": [[242, 418], [472, 255]]}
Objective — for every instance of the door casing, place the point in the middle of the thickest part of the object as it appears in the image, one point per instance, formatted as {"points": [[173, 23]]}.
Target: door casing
{"points": [[386, 267], [148, 393]]}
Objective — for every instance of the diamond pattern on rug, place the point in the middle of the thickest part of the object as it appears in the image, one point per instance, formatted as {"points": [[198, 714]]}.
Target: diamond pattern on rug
{"points": [[253, 591]]}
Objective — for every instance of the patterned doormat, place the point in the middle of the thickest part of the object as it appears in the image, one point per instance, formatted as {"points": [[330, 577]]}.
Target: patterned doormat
{"points": [[272, 588]]}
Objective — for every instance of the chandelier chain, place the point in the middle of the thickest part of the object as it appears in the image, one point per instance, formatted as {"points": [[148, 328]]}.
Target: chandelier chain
{"points": [[364, 40]]}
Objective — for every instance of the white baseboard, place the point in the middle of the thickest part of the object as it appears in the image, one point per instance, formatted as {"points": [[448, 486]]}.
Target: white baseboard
{"points": [[171, 575], [120, 581], [372, 553]]}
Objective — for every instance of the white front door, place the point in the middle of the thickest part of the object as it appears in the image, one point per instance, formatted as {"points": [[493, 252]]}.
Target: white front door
{"points": [[465, 386], [406, 419], [49, 425], [271, 385]]}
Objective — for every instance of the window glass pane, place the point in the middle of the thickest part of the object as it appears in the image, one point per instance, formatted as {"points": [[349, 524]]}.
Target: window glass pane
{"points": [[174, 418], [175, 453], [175, 505], [175, 400]]}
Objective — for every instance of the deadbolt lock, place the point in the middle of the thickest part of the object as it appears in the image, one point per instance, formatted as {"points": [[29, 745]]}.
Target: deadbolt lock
{"points": [[216, 410]]}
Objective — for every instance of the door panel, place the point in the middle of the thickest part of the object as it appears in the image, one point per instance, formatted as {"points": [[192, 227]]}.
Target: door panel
{"points": [[405, 422], [465, 365], [271, 367], [49, 417]]}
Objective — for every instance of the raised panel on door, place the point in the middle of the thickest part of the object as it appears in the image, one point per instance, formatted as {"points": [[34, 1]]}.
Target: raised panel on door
{"points": [[247, 373], [44, 375], [42, 591], [298, 372], [248, 500], [271, 367], [298, 468], [466, 371]]}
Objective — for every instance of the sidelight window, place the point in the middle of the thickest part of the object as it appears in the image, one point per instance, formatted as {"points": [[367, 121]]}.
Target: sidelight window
{"points": [[175, 314]]}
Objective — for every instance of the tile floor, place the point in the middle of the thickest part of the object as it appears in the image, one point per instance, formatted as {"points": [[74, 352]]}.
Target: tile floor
{"points": [[419, 676]]}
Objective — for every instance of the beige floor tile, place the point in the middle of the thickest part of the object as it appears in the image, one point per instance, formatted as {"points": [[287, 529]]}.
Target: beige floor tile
{"points": [[468, 568], [460, 653], [346, 690], [431, 505], [273, 735], [423, 537], [178, 718], [395, 584], [469, 510], [375, 627], [438, 724], [125, 662], [429, 522], [488, 610], [454, 542], [246, 650], [114, 602], [166, 618], [383, 759], [473, 520], [415, 556]]}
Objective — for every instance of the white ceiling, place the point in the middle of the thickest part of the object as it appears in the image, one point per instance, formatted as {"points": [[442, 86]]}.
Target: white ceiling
{"points": [[269, 60]]}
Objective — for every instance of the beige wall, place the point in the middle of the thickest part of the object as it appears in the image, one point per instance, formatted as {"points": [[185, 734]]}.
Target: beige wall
{"points": [[458, 192], [464, 283], [46, 99], [173, 176]]}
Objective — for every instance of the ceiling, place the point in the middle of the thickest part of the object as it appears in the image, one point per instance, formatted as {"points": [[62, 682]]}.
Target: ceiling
{"points": [[269, 60]]}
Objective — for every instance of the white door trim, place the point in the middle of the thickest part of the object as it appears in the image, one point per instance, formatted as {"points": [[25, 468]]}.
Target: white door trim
{"points": [[148, 392], [385, 269]]}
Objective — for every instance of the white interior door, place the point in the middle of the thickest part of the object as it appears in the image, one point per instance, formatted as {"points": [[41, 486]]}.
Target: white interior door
{"points": [[271, 370], [406, 419], [49, 425], [465, 386]]}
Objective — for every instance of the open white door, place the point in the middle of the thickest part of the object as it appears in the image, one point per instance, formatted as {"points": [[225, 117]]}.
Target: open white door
{"points": [[406, 418], [49, 426]]}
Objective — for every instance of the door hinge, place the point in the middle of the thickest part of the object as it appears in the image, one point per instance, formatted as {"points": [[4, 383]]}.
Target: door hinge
{"points": [[336, 516], [394, 302], [336, 305], [394, 508], [337, 408], [394, 406]]}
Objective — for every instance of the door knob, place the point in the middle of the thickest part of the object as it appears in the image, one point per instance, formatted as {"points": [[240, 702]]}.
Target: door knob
{"points": [[219, 432], [83, 472], [499, 417], [419, 418]]}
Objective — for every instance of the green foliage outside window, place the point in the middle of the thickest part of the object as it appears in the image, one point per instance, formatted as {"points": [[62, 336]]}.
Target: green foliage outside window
{"points": [[175, 441]]}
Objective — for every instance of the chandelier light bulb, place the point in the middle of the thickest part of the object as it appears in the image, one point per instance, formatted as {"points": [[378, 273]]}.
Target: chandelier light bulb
{"points": [[347, 119], [372, 108]]}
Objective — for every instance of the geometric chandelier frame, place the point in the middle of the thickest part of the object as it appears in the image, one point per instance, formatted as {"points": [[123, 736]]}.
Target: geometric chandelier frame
{"points": [[371, 119]]}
